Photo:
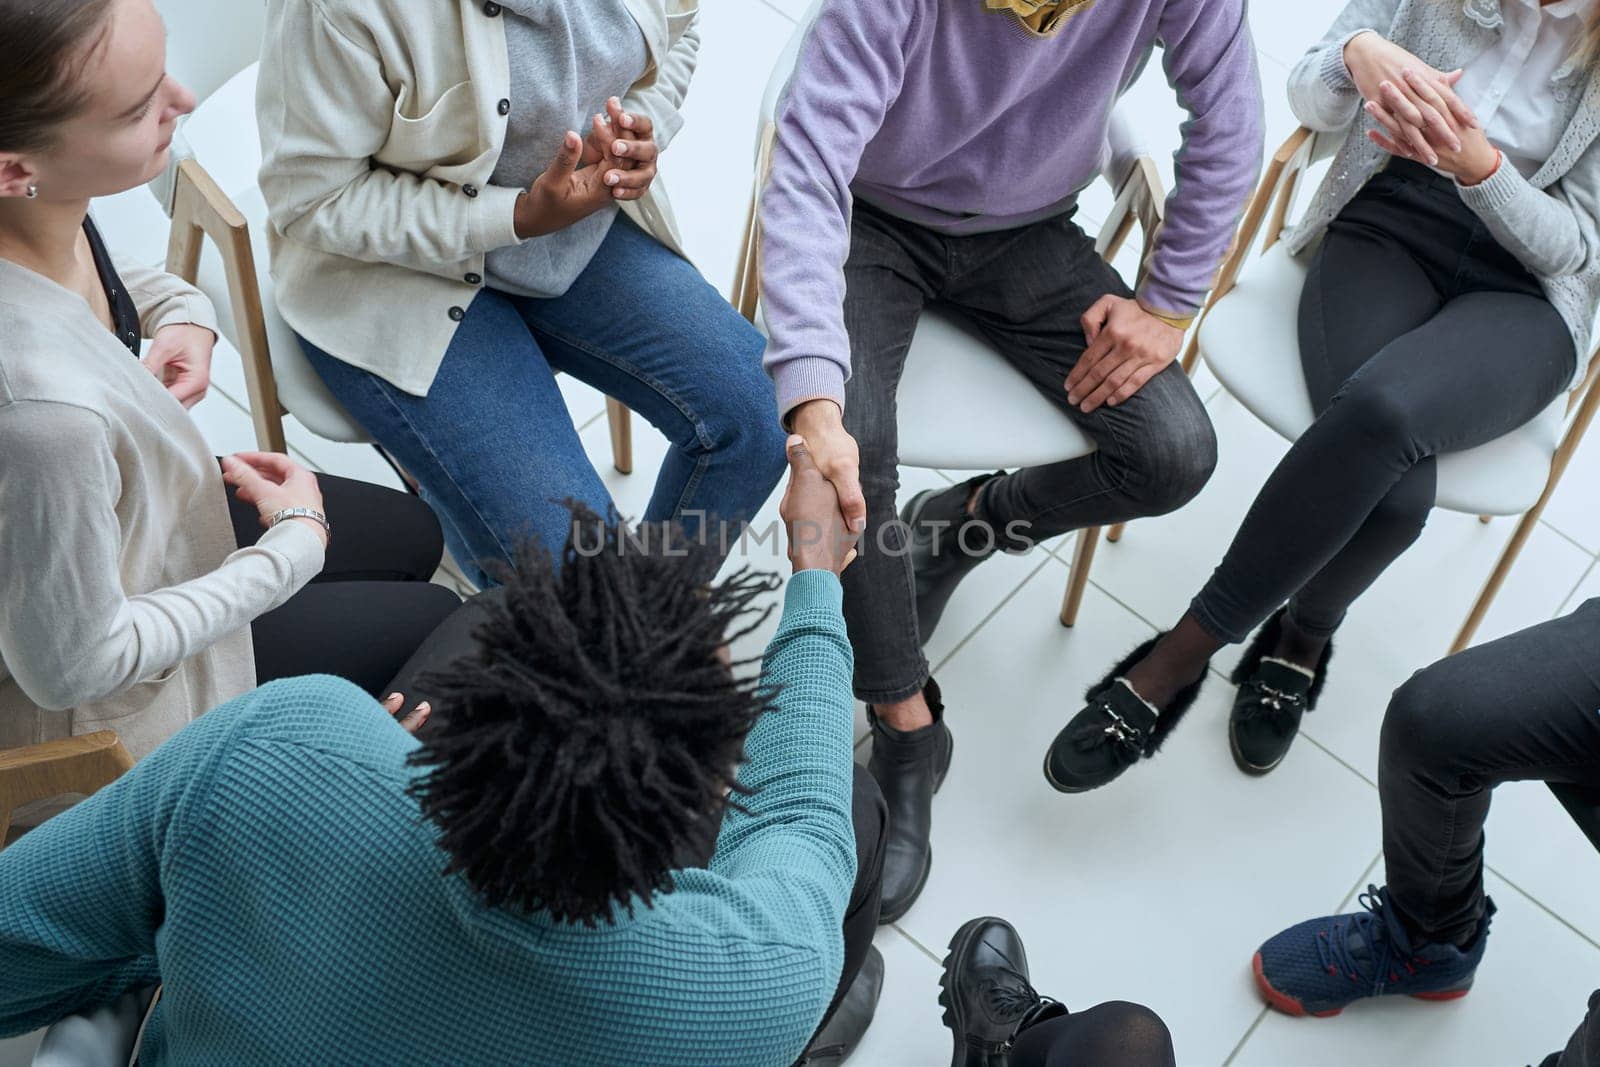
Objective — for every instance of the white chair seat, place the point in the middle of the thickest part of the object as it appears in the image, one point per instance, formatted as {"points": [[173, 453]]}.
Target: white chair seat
{"points": [[963, 407], [1250, 340], [222, 135]]}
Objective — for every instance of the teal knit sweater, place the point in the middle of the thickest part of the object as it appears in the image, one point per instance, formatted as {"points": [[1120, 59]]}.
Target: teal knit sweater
{"points": [[267, 866]]}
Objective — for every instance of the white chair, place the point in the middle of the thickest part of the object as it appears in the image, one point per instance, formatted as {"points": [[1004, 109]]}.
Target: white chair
{"points": [[1248, 336], [216, 57], [949, 369]]}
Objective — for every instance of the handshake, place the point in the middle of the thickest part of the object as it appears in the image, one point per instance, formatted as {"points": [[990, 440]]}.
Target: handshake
{"points": [[819, 538]]}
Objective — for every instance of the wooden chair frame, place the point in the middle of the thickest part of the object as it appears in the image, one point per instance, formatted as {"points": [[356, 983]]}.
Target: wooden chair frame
{"points": [[201, 209], [1271, 203], [1140, 199], [57, 768]]}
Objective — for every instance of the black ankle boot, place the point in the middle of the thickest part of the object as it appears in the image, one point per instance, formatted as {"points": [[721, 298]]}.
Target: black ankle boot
{"points": [[1273, 696], [909, 767], [835, 1041], [940, 554], [986, 994], [1114, 731]]}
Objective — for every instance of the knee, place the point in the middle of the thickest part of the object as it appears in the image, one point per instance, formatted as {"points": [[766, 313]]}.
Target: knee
{"points": [[1424, 719], [1172, 463], [1136, 1032], [1376, 413]]}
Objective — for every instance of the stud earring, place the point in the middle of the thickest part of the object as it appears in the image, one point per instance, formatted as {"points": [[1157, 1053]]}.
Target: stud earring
{"points": [[33, 192]]}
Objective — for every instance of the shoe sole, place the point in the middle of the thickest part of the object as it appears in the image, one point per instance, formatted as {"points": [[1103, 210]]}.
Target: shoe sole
{"points": [[1290, 1006], [952, 1018], [885, 917]]}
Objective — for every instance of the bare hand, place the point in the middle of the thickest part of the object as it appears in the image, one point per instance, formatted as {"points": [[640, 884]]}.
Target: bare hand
{"points": [[271, 482], [818, 537], [1127, 347], [834, 451], [1425, 104], [1465, 153], [624, 145], [180, 358], [564, 193], [411, 721]]}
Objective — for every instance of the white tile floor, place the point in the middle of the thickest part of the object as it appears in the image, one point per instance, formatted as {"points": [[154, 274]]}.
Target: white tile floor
{"points": [[1159, 888]]}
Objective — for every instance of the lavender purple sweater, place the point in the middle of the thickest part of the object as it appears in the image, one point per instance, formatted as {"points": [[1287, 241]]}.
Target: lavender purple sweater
{"points": [[954, 117]]}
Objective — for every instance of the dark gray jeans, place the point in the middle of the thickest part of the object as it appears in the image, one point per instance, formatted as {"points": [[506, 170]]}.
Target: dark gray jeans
{"points": [[1526, 707], [1024, 290], [1419, 334]]}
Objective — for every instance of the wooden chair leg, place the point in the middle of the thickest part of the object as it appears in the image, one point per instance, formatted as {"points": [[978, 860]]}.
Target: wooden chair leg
{"points": [[1486, 519], [1115, 533], [58, 768], [1491, 588], [1082, 560], [621, 420]]}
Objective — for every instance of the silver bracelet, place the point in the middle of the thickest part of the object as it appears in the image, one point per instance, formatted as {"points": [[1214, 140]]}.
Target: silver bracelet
{"points": [[301, 513]]}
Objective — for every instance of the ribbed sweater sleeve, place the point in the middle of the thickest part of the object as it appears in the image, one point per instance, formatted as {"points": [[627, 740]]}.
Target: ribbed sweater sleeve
{"points": [[83, 895], [850, 70], [75, 635], [1211, 65], [1321, 94]]}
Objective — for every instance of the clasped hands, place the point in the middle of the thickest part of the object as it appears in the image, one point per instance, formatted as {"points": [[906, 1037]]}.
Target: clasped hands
{"points": [[617, 161], [1423, 119]]}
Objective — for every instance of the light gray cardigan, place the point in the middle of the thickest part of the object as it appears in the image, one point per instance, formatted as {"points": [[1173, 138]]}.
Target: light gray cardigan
{"points": [[1550, 222], [124, 602]]}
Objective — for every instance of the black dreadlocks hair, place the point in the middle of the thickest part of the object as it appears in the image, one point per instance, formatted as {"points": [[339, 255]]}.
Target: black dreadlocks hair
{"points": [[596, 728]]}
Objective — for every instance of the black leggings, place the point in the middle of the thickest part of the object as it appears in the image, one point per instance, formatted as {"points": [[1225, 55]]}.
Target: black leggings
{"points": [[1419, 334], [1117, 1034], [373, 603]]}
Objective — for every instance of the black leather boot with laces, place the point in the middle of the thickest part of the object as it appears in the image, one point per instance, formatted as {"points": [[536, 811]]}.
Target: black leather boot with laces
{"points": [[986, 994]]}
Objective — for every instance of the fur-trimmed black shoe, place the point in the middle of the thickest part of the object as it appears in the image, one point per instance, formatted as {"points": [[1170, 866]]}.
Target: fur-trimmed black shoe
{"points": [[1273, 696], [1114, 730]]}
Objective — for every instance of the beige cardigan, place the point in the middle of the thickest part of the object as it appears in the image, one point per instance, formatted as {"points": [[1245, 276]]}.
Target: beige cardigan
{"points": [[124, 601], [381, 123]]}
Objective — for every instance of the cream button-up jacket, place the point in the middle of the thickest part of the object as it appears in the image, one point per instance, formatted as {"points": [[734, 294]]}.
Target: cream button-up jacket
{"points": [[381, 122]]}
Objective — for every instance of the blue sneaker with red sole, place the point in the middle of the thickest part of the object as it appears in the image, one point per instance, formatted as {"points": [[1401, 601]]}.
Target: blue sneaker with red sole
{"points": [[1321, 966]]}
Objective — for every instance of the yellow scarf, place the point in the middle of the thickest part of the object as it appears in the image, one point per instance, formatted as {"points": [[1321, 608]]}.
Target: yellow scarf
{"points": [[1043, 17]]}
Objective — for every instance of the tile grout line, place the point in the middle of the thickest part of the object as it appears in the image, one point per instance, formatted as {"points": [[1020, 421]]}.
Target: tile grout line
{"points": [[778, 10], [1342, 906], [1541, 905], [959, 645], [919, 945]]}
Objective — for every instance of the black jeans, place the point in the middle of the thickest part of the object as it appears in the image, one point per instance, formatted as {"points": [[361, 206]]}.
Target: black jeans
{"points": [[1419, 334], [1024, 291], [373, 603], [453, 639], [1516, 709], [1117, 1034]]}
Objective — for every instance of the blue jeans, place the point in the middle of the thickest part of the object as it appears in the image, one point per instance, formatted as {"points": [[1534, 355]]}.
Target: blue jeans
{"points": [[493, 446]]}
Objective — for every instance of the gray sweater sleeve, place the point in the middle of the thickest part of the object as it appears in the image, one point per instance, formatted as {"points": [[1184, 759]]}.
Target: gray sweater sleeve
{"points": [[69, 632], [1321, 94], [1551, 231]]}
